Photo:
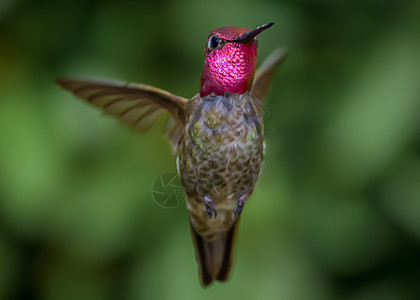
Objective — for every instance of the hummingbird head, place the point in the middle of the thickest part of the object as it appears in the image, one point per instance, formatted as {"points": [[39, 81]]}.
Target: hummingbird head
{"points": [[230, 60]]}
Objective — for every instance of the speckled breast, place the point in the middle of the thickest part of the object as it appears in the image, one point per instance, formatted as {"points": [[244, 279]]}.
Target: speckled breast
{"points": [[221, 152]]}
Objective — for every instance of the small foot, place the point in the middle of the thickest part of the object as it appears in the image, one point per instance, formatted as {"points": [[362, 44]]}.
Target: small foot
{"points": [[239, 205], [210, 208]]}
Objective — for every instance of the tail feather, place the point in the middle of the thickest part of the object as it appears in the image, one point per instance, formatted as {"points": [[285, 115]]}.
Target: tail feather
{"points": [[230, 238], [215, 257], [200, 251]]}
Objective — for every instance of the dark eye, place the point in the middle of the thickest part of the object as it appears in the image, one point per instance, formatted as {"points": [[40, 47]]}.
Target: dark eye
{"points": [[213, 42]]}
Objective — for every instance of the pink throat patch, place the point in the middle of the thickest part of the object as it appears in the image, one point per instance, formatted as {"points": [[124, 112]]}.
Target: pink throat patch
{"points": [[229, 69]]}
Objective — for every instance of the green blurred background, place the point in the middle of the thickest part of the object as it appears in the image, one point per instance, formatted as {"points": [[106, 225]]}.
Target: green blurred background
{"points": [[336, 212]]}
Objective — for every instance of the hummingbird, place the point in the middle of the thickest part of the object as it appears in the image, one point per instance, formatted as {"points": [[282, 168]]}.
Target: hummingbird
{"points": [[218, 135]]}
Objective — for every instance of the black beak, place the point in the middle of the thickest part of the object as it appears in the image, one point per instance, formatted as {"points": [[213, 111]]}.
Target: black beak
{"points": [[250, 35]]}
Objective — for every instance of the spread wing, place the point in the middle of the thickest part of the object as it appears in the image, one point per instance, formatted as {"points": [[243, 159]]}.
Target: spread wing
{"points": [[137, 105], [265, 73]]}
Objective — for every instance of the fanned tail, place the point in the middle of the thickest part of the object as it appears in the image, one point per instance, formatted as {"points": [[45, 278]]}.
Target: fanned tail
{"points": [[215, 257]]}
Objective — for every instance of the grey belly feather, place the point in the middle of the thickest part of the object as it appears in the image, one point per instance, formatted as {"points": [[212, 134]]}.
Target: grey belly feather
{"points": [[221, 152]]}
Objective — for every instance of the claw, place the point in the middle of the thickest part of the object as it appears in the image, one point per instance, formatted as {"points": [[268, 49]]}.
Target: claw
{"points": [[210, 208], [239, 205]]}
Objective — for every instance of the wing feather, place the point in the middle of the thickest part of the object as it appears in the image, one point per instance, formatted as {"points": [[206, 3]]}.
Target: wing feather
{"points": [[137, 105], [265, 73]]}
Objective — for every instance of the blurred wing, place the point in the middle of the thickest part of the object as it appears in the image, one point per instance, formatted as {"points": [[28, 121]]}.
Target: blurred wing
{"points": [[136, 105], [265, 73]]}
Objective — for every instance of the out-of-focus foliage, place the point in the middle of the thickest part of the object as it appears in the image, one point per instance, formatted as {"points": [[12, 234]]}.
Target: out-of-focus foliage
{"points": [[336, 213]]}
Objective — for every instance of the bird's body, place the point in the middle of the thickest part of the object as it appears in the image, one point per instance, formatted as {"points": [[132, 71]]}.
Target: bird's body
{"points": [[218, 134], [221, 151]]}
